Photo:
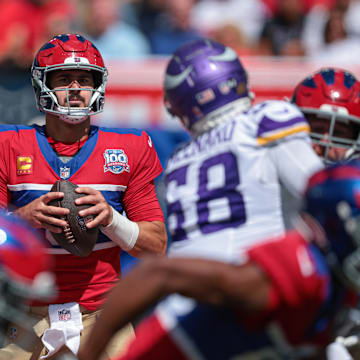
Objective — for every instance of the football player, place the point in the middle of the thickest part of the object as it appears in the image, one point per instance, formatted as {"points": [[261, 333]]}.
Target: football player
{"points": [[224, 186], [330, 101], [25, 276], [114, 168], [275, 300]]}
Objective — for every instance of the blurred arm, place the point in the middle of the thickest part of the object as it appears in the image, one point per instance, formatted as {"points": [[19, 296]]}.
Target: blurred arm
{"points": [[213, 282], [295, 161]]}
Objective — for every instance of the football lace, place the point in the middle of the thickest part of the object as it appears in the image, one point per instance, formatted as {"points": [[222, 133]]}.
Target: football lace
{"points": [[69, 236]]}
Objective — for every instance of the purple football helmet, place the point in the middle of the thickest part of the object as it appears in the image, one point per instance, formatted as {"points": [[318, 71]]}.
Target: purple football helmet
{"points": [[201, 77], [332, 198]]}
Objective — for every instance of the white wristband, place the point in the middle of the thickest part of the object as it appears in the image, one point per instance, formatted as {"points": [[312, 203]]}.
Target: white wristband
{"points": [[122, 231]]}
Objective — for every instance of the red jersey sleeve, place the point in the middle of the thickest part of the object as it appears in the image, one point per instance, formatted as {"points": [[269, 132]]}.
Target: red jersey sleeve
{"points": [[4, 169], [140, 200], [299, 284], [292, 271]]}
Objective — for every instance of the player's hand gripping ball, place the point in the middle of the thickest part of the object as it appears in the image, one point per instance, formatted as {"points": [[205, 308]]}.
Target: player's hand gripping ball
{"points": [[76, 237]]}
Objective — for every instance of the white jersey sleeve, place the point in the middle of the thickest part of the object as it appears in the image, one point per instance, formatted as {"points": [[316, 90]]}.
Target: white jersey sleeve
{"points": [[295, 161], [274, 121]]}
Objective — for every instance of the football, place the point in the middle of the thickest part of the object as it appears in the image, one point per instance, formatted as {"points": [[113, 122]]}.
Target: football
{"points": [[76, 237]]}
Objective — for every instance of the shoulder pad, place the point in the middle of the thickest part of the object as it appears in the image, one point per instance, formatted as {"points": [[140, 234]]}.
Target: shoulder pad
{"points": [[277, 120]]}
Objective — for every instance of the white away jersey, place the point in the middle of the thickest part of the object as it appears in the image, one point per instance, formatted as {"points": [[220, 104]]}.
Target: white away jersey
{"points": [[223, 189]]}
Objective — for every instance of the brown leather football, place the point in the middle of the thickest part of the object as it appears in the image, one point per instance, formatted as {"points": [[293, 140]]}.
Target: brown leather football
{"points": [[76, 237]]}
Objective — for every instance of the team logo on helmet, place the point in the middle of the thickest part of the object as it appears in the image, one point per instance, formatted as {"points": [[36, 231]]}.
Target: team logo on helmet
{"points": [[227, 55], [173, 81], [76, 60], [116, 161]]}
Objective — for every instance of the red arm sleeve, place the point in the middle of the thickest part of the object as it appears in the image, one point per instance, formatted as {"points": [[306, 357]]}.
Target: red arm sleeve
{"points": [[140, 200], [300, 285], [4, 161], [292, 271]]}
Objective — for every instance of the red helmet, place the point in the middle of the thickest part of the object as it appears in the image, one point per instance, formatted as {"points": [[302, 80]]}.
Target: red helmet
{"points": [[25, 270], [332, 94], [68, 52]]}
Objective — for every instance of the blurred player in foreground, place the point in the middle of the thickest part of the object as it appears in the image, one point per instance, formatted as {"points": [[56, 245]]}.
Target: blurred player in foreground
{"points": [[278, 300], [25, 275], [330, 101], [224, 185]]}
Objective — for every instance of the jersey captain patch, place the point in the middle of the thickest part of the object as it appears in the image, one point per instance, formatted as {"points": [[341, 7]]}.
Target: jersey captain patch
{"points": [[24, 165], [116, 161]]}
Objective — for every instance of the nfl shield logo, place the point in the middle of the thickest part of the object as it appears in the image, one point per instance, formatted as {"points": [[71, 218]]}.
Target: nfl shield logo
{"points": [[13, 332], [64, 315], [64, 172]]}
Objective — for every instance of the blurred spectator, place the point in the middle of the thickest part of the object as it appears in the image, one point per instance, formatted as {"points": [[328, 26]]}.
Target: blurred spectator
{"points": [[335, 28], [102, 23], [213, 16], [143, 14], [173, 27], [351, 11], [230, 35], [166, 23], [307, 4], [337, 45], [319, 17], [25, 24], [281, 34]]}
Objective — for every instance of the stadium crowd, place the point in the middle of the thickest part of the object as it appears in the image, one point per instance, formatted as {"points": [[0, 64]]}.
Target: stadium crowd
{"points": [[151, 27], [133, 29]]}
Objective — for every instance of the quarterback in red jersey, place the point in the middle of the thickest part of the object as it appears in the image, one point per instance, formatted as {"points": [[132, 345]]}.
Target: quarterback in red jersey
{"points": [[280, 299], [114, 168]]}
